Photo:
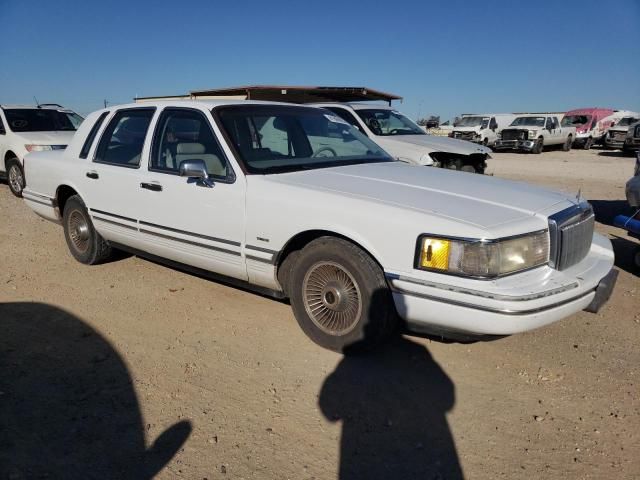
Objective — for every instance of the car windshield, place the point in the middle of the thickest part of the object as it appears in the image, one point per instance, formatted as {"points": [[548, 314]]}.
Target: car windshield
{"points": [[388, 122], [277, 139], [575, 120], [528, 122], [626, 121], [473, 122], [41, 120]]}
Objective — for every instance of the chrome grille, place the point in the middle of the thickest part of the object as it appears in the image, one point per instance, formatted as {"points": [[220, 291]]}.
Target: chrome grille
{"points": [[464, 135], [617, 135], [571, 234], [513, 134]]}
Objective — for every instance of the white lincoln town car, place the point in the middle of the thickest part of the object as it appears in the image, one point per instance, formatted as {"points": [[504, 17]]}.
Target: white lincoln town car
{"points": [[297, 203]]}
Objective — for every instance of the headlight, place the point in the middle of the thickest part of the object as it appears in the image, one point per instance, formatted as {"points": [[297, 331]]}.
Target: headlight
{"points": [[480, 258], [426, 159], [533, 133]]}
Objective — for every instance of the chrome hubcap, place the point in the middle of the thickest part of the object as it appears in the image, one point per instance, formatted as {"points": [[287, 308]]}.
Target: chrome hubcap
{"points": [[15, 178], [79, 231], [332, 298]]}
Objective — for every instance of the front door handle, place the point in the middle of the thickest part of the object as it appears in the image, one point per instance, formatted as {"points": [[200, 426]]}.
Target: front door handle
{"points": [[154, 187], [93, 175]]}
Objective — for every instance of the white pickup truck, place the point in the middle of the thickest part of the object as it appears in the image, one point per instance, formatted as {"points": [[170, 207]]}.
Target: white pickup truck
{"points": [[295, 202], [25, 129], [532, 133]]}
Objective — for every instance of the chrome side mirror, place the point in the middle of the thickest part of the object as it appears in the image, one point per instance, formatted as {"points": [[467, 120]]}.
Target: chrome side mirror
{"points": [[196, 169]]}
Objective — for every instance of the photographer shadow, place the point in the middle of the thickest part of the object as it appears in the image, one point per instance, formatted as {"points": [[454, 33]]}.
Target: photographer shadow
{"points": [[68, 408], [392, 405]]}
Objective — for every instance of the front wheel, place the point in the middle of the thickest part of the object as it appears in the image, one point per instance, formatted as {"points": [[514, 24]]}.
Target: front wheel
{"points": [[340, 297], [15, 177], [538, 147], [567, 145], [85, 244]]}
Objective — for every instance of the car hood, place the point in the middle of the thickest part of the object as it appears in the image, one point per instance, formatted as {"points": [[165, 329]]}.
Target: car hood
{"points": [[433, 144], [467, 129], [478, 200], [46, 138]]}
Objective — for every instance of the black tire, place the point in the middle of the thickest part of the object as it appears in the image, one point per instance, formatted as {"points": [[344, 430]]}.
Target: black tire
{"points": [[85, 244], [636, 258], [538, 147], [567, 145], [15, 177], [587, 144], [340, 297]]}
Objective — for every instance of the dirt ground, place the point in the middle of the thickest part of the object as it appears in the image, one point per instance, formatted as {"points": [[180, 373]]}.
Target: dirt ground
{"points": [[135, 367]]}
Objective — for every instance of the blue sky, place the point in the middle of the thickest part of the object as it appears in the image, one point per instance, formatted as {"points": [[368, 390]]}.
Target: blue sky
{"points": [[444, 57]]}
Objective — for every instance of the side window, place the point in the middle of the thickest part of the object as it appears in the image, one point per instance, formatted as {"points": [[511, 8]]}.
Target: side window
{"points": [[549, 123], [183, 134], [2, 130], [346, 116], [493, 124], [122, 141], [92, 135]]}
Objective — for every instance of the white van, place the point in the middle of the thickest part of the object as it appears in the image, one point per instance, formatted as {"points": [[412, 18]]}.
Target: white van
{"points": [[481, 128]]}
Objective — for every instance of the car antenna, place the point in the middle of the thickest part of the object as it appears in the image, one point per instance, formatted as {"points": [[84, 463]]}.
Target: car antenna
{"points": [[37, 103]]}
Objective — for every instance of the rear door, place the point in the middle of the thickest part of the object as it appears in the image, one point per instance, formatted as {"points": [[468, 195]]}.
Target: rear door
{"points": [[111, 180], [184, 220]]}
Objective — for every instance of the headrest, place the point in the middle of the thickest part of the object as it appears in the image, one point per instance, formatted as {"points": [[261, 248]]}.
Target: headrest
{"points": [[190, 148]]}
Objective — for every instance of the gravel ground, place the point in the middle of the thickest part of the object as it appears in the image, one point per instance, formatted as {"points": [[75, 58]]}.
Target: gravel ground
{"points": [[135, 370]]}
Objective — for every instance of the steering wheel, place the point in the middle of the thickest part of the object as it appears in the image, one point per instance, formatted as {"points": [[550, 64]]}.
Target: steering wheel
{"points": [[325, 149]]}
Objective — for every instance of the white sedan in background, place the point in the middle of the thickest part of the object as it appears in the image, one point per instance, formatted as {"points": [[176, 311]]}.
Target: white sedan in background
{"points": [[295, 202]]}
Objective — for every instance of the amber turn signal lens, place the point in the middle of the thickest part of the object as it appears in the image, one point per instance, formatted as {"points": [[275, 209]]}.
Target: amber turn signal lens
{"points": [[435, 254]]}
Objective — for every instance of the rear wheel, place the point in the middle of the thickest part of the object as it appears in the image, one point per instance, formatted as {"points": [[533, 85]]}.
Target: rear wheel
{"points": [[340, 297], [538, 147], [85, 244], [15, 177], [567, 145]]}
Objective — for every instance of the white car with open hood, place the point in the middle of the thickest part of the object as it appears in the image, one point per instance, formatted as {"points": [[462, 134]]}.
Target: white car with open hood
{"points": [[293, 201], [406, 141]]}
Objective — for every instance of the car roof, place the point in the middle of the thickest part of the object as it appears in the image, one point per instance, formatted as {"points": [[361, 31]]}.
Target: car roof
{"points": [[208, 104], [59, 108]]}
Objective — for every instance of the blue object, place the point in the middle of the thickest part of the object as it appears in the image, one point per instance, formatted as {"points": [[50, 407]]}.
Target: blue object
{"points": [[628, 223]]}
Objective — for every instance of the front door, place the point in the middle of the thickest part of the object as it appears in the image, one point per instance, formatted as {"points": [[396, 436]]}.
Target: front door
{"points": [[185, 220]]}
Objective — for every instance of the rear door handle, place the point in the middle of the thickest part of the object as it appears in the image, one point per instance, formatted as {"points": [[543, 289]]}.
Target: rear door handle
{"points": [[93, 175], [154, 187]]}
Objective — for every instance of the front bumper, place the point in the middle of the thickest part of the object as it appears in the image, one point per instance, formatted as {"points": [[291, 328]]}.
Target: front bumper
{"points": [[509, 305], [631, 145], [526, 145]]}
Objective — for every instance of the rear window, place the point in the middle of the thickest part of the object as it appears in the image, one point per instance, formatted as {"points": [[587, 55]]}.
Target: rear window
{"points": [[40, 120]]}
